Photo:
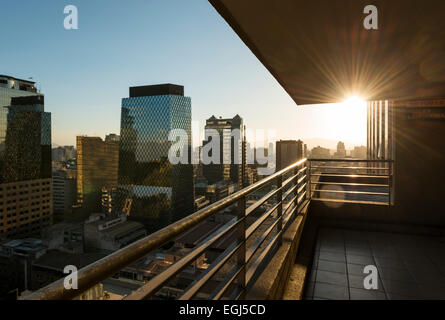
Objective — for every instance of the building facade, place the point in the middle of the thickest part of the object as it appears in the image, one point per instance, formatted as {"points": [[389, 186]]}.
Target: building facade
{"points": [[232, 157], [160, 192], [341, 151], [97, 167], [320, 153], [64, 192], [11, 87], [288, 152], [25, 160]]}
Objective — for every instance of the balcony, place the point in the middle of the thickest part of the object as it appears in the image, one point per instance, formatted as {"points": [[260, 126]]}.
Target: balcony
{"points": [[295, 240]]}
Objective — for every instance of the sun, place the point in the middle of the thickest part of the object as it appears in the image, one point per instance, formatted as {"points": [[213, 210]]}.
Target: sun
{"points": [[347, 121], [354, 101]]}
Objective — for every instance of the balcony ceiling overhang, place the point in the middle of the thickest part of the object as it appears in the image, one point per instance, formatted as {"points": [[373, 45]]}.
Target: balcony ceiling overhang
{"points": [[320, 52]]}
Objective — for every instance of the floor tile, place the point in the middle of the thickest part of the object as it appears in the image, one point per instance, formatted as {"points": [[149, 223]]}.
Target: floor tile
{"points": [[355, 269], [389, 263], [409, 267], [363, 294], [402, 275], [433, 292], [332, 256], [329, 291], [359, 252], [332, 278], [356, 281], [402, 288], [397, 296], [360, 259], [332, 266]]}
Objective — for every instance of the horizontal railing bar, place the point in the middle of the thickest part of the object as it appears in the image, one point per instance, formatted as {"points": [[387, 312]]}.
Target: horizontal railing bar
{"points": [[296, 208], [251, 229], [351, 160], [154, 284], [113, 263], [302, 196], [289, 180], [303, 178], [349, 168], [289, 191], [289, 212], [354, 192], [253, 268], [197, 284], [225, 284], [260, 202], [289, 204], [256, 245], [351, 201], [302, 188], [351, 184], [350, 175]]}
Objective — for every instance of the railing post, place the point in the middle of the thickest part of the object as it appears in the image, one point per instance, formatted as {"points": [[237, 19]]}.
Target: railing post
{"points": [[280, 208], [241, 234]]}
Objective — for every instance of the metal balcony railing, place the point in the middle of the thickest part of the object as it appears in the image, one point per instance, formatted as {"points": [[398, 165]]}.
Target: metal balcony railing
{"points": [[352, 181], [249, 251]]}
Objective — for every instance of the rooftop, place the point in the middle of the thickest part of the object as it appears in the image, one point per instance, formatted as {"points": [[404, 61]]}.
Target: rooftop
{"points": [[157, 90], [58, 260], [17, 79]]}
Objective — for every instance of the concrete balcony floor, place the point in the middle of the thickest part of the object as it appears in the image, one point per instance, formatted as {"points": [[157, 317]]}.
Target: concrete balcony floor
{"points": [[409, 266]]}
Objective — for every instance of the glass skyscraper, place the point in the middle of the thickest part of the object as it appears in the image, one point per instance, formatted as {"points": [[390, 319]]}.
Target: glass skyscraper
{"points": [[28, 140], [25, 160], [160, 192], [10, 87]]}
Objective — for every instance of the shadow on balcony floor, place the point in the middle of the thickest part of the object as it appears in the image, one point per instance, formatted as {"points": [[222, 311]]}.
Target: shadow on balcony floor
{"points": [[409, 267]]}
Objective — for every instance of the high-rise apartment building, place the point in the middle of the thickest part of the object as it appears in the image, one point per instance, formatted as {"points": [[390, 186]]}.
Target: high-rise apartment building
{"points": [[341, 151], [288, 152], [64, 192], [160, 192], [25, 159], [11, 87], [97, 166], [232, 157]]}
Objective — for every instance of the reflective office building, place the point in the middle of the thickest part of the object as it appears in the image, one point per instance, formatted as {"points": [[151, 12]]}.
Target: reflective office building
{"points": [[25, 160], [159, 192], [11, 87]]}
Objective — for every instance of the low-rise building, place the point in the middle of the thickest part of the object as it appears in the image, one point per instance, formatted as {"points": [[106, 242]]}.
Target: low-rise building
{"points": [[111, 232], [16, 258]]}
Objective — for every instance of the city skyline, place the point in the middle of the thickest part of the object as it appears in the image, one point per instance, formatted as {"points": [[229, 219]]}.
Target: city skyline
{"points": [[92, 67], [224, 150]]}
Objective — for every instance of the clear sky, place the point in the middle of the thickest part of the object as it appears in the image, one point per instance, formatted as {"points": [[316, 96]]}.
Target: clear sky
{"points": [[85, 73]]}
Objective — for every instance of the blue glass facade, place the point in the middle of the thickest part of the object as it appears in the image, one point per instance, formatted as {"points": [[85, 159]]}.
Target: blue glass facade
{"points": [[161, 192]]}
